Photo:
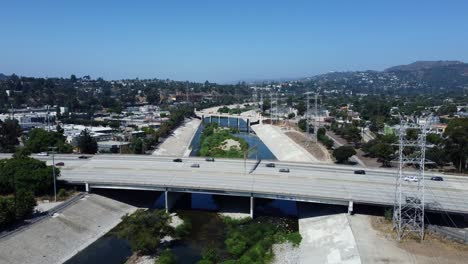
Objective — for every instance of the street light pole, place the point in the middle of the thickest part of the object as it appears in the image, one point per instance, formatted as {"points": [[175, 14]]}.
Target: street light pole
{"points": [[53, 172]]}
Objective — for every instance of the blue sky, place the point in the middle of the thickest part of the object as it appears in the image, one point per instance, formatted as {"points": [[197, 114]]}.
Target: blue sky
{"points": [[225, 41]]}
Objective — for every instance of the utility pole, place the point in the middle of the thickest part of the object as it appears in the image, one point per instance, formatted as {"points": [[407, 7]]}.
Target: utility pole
{"points": [[276, 102], [48, 123], [187, 93], [271, 107], [316, 119], [53, 171]]}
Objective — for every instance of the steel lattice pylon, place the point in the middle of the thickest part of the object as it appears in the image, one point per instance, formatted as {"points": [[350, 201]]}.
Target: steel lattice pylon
{"points": [[408, 214]]}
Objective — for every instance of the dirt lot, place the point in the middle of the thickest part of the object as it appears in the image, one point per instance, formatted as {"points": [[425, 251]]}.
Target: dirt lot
{"points": [[433, 249], [319, 152]]}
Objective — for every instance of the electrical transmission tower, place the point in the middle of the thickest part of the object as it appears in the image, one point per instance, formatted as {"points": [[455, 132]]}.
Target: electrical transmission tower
{"points": [[408, 214]]}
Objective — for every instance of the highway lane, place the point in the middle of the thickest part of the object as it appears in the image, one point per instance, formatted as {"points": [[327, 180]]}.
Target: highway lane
{"points": [[304, 180]]}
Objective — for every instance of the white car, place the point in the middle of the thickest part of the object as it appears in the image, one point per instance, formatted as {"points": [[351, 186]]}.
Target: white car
{"points": [[43, 154], [411, 179]]}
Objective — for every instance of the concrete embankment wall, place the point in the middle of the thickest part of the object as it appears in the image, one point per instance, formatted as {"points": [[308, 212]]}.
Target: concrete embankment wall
{"points": [[60, 237]]}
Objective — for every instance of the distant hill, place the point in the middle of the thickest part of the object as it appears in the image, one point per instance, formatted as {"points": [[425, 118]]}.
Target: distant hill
{"points": [[3, 76], [423, 65]]}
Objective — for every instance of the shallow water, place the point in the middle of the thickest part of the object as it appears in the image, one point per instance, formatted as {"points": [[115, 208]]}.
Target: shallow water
{"points": [[208, 230]]}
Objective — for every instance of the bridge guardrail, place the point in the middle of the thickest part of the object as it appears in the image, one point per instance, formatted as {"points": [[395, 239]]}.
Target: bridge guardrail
{"points": [[457, 235]]}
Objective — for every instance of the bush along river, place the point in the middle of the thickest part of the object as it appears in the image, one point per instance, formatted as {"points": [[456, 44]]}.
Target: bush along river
{"points": [[203, 236], [231, 142]]}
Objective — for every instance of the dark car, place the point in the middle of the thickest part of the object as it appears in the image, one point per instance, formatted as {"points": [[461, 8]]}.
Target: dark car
{"points": [[209, 159], [284, 170], [177, 160], [270, 165], [359, 172], [83, 157], [195, 165], [437, 178], [59, 164]]}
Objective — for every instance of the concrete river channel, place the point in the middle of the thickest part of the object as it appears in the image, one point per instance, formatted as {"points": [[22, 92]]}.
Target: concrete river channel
{"points": [[208, 230]]}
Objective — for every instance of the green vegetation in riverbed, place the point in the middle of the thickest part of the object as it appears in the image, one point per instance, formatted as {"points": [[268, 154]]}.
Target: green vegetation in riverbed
{"points": [[144, 230], [212, 139], [166, 257], [251, 241]]}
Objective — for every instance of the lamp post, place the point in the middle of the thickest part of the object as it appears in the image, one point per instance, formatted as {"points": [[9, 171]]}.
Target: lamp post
{"points": [[53, 171]]}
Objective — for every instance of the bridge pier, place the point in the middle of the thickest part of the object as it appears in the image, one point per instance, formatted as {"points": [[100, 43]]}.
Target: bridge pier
{"points": [[252, 206], [248, 126], [171, 199], [87, 188], [211, 119], [228, 121], [219, 120], [238, 124], [350, 208], [203, 119]]}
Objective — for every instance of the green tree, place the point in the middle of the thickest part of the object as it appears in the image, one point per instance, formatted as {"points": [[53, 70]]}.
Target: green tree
{"points": [[24, 204], [40, 140], [7, 212], [302, 124], [86, 143], [22, 153], [137, 146], [343, 153], [26, 173], [301, 108], [456, 142], [10, 131]]}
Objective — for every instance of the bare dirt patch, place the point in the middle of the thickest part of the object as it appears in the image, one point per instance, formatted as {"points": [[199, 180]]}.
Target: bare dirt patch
{"points": [[317, 151], [433, 246]]}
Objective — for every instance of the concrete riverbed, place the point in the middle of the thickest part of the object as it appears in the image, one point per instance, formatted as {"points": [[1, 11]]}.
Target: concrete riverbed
{"points": [[59, 237]]}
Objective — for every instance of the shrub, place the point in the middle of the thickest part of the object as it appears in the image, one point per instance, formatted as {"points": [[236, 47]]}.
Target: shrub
{"points": [[166, 257]]}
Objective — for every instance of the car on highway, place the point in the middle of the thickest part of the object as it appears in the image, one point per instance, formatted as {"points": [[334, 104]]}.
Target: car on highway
{"points": [[195, 165], [411, 179], [284, 170], [359, 172], [437, 178], [43, 154], [210, 159], [60, 164], [270, 165], [83, 157], [177, 160]]}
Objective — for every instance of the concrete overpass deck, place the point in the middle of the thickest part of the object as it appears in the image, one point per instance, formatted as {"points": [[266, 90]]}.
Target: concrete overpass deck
{"points": [[305, 182]]}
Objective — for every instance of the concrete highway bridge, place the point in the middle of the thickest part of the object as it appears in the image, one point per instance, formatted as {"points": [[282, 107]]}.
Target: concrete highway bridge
{"points": [[326, 184]]}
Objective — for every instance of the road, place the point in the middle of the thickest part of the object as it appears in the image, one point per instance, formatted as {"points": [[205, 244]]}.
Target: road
{"points": [[305, 181]]}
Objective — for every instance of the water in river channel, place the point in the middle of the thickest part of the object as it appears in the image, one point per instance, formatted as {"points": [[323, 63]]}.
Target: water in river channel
{"points": [[208, 230]]}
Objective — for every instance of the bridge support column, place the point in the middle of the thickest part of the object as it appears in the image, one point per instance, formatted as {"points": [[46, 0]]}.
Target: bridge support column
{"points": [[211, 119], [203, 119], [219, 120], [171, 198], [228, 121], [248, 126], [252, 206], [87, 188], [238, 124], [350, 208]]}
